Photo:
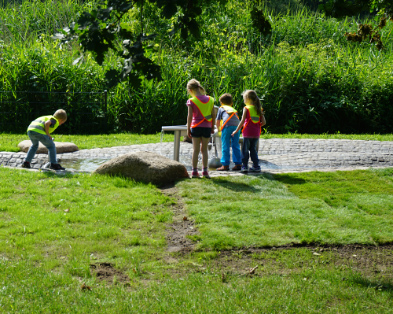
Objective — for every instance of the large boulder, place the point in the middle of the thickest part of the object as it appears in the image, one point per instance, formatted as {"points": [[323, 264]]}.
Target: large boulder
{"points": [[61, 147], [145, 167]]}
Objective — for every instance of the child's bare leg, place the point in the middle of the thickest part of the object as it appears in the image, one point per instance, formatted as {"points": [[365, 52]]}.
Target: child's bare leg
{"points": [[196, 144], [205, 157]]}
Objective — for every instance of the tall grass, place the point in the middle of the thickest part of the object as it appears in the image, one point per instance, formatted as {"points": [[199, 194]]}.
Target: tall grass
{"points": [[24, 21], [310, 79]]}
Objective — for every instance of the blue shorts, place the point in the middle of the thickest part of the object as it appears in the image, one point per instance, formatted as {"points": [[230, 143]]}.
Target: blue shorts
{"points": [[201, 132]]}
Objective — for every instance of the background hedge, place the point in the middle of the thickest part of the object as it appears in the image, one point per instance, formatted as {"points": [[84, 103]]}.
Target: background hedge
{"points": [[310, 78]]}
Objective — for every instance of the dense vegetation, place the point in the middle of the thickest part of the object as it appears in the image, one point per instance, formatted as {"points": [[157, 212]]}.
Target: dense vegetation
{"points": [[310, 78]]}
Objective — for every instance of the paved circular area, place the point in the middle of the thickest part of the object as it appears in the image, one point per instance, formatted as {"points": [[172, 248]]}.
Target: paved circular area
{"points": [[275, 155]]}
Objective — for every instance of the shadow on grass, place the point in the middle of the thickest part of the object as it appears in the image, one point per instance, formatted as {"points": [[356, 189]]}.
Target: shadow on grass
{"points": [[377, 285], [288, 179], [234, 186], [56, 174]]}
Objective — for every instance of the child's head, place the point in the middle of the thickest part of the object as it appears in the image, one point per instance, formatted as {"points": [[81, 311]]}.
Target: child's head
{"points": [[226, 99], [195, 87], [60, 115], [250, 97]]}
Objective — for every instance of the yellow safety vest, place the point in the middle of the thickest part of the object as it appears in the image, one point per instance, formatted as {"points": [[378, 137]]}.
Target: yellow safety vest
{"points": [[231, 111], [255, 118], [38, 125], [205, 108]]}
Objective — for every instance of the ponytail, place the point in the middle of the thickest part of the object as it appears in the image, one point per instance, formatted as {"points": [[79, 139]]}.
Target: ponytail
{"points": [[253, 98]]}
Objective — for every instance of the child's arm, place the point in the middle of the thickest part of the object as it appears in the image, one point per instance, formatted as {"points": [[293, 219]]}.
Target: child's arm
{"points": [[218, 120], [218, 125], [213, 119], [241, 123], [47, 125], [189, 120]]}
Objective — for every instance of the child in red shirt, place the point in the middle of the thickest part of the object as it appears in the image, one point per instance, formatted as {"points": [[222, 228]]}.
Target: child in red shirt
{"points": [[251, 119], [200, 124]]}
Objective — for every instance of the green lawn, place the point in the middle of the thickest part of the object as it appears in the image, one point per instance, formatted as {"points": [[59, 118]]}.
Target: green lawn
{"points": [[317, 240], [327, 208], [9, 142]]}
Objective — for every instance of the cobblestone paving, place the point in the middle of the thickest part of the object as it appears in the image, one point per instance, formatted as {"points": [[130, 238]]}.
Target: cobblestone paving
{"points": [[275, 155]]}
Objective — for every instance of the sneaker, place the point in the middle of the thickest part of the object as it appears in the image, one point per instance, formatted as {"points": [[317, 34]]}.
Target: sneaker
{"points": [[237, 168], [26, 164], [244, 169], [206, 174], [223, 168], [195, 174], [56, 167], [255, 169]]}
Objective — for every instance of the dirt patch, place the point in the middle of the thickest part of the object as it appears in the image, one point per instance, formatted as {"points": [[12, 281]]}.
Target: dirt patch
{"points": [[373, 261], [367, 259], [182, 227], [107, 272]]}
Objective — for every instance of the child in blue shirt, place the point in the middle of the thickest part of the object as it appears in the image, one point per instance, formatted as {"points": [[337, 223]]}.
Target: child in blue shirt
{"points": [[227, 121]]}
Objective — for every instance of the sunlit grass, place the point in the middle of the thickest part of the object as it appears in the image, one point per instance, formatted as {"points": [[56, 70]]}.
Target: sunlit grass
{"points": [[53, 228], [327, 208], [319, 287], [81, 215], [9, 142], [337, 136]]}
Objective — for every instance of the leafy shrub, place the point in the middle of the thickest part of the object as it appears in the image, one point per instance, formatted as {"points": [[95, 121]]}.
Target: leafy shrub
{"points": [[310, 79], [41, 79]]}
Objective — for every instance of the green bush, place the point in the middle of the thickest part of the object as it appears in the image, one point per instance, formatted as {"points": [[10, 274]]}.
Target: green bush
{"points": [[41, 79], [310, 78]]}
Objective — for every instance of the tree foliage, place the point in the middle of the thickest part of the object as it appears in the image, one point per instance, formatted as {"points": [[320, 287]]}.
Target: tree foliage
{"points": [[366, 32], [342, 8], [259, 21], [102, 30], [383, 9]]}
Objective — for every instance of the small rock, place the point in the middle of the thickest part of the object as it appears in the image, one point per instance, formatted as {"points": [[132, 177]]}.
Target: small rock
{"points": [[61, 147], [145, 167]]}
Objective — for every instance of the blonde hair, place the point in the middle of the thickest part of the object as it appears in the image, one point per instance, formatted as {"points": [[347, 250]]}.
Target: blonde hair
{"points": [[194, 85], [60, 115], [252, 98]]}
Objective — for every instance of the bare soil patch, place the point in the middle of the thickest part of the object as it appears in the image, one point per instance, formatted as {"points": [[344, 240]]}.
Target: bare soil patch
{"points": [[107, 272], [182, 226], [375, 261]]}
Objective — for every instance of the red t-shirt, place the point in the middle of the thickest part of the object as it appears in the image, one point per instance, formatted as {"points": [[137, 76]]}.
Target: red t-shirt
{"points": [[252, 130]]}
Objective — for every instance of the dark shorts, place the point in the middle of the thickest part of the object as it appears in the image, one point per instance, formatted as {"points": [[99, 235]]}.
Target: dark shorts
{"points": [[201, 132]]}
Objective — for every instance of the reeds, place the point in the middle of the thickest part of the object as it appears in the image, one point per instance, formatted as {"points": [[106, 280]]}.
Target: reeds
{"points": [[23, 21], [310, 78]]}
